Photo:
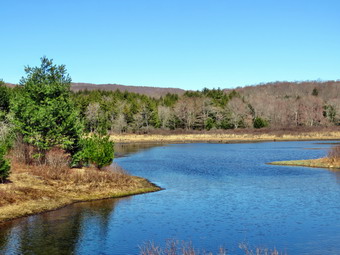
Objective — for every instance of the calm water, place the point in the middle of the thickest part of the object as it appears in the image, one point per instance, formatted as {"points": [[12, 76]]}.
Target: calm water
{"points": [[216, 194]]}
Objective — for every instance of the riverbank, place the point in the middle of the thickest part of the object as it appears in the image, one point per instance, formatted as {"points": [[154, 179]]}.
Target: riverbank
{"points": [[320, 163], [36, 189], [228, 137]]}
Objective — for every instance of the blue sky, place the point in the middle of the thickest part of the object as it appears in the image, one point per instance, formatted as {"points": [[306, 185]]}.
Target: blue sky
{"points": [[174, 43]]}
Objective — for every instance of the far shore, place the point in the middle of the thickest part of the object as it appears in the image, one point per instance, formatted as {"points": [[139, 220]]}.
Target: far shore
{"points": [[225, 137]]}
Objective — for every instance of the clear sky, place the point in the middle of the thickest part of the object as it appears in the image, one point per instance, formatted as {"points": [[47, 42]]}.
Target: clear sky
{"points": [[187, 44]]}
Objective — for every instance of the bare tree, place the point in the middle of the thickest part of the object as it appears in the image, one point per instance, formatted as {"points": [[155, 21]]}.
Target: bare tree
{"points": [[164, 115], [92, 115], [119, 124], [185, 109], [239, 112]]}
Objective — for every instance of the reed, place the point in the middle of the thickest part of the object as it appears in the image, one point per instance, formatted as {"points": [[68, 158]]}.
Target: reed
{"points": [[175, 247]]}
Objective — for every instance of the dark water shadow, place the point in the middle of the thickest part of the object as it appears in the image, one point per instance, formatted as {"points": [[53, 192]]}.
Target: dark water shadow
{"points": [[56, 232], [126, 149]]}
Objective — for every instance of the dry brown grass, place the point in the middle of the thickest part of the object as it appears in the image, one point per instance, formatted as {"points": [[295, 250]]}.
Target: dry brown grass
{"points": [[332, 161], [334, 154], [36, 188], [174, 247], [222, 136], [320, 163]]}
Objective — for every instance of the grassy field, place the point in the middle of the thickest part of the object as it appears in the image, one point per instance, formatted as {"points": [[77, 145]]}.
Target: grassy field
{"points": [[35, 189], [228, 137]]}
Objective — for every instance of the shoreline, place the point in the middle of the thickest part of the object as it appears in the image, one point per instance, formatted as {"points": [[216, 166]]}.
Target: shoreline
{"points": [[72, 192], [38, 195], [315, 163], [63, 205], [223, 138]]}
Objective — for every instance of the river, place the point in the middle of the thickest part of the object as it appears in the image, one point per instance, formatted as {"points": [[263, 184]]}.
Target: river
{"points": [[215, 195]]}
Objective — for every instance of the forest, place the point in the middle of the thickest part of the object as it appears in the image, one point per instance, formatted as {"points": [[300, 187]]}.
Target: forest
{"points": [[273, 105]]}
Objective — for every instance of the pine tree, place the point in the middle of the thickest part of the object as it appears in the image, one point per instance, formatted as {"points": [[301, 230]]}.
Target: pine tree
{"points": [[43, 110]]}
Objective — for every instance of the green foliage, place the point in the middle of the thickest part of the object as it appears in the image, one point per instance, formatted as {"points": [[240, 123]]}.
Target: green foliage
{"points": [[169, 100], [315, 92], [4, 97], [260, 123], [209, 124], [4, 100], [190, 93], [5, 166], [330, 113], [96, 150], [233, 94], [43, 111]]}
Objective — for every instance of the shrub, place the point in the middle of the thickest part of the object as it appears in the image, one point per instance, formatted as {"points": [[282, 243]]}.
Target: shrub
{"points": [[57, 158], [6, 137], [96, 150], [4, 163], [260, 123]]}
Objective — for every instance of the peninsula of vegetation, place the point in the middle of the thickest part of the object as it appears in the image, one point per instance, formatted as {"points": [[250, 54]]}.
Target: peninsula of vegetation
{"points": [[47, 160], [332, 161]]}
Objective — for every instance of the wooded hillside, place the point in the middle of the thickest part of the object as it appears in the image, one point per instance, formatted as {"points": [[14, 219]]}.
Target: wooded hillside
{"points": [[272, 105]]}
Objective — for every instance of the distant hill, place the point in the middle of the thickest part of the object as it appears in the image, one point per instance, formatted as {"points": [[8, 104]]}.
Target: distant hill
{"points": [[325, 89], [11, 85], [149, 91]]}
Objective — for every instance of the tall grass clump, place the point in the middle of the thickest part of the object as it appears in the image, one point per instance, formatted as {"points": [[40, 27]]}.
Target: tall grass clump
{"points": [[259, 251], [334, 153], [174, 247]]}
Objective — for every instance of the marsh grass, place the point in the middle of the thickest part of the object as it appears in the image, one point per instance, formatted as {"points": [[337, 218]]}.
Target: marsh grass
{"points": [[259, 251], [226, 136], [36, 187], [332, 160], [334, 154], [175, 247]]}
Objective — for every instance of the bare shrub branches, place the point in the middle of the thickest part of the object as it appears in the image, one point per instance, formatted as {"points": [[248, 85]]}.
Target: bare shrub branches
{"points": [[334, 153]]}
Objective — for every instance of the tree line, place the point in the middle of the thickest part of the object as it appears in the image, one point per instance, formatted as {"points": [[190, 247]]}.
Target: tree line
{"points": [[119, 112]]}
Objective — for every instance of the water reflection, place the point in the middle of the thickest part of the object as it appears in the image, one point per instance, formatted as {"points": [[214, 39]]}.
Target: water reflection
{"points": [[337, 175], [216, 194], [59, 232], [125, 149]]}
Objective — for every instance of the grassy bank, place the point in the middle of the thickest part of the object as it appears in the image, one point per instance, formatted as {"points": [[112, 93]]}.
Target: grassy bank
{"points": [[321, 163], [229, 137], [332, 161], [36, 189]]}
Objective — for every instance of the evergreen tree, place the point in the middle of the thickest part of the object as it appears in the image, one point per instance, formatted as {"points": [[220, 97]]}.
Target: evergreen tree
{"points": [[4, 163], [43, 110]]}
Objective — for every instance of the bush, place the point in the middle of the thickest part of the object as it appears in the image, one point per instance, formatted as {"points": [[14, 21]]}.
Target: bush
{"points": [[4, 163], [6, 137], [96, 150], [260, 123]]}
